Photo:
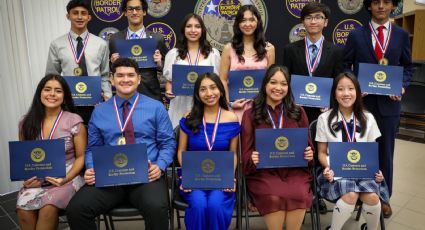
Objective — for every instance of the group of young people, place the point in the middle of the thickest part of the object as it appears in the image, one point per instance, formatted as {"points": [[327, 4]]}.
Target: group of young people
{"points": [[208, 121]]}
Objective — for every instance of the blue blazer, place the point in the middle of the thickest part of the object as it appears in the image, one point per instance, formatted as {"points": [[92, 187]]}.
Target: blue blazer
{"points": [[359, 49]]}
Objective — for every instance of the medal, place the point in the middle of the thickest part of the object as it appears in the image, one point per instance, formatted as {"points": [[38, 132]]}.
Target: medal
{"points": [[55, 125], [78, 71], [217, 119], [383, 61], [121, 140], [312, 66], [352, 137], [280, 119], [197, 57]]}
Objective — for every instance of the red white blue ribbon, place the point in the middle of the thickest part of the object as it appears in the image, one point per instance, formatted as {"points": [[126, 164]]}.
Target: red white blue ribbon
{"points": [[141, 35], [197, 57], [312, 66], [55, 125], [382, 47], [280, 119], [130, 114], [213, 136], [74, 49], [352, 137]]}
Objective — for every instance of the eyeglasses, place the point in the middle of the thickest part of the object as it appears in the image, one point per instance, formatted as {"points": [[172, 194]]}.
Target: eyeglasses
{"points": [[131, 9], [315, 18]]}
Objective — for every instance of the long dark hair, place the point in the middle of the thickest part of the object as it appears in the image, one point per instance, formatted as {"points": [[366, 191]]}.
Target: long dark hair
{"points": [[204, 44], [259, 38], [31, 124], [260, 101], [194, 119], [358, 107]]}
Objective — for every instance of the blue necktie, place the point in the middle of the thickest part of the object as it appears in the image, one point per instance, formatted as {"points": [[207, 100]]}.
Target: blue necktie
{"points": [[313, 53], [134, 36]]}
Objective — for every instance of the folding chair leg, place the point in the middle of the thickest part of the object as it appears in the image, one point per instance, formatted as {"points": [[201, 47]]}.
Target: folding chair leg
{"points": [[179, 226], [111, 222], [382, 221], [172, 219], [105, 220], [359, 212]]}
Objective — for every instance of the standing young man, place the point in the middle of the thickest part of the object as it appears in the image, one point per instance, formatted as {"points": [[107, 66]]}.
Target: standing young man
{"points": [[80, 53], [313, 56], [135, 10], [145, 121], [380, 42]]}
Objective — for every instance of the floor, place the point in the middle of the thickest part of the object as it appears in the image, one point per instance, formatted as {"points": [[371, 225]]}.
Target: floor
{"points": [[408, 200]]}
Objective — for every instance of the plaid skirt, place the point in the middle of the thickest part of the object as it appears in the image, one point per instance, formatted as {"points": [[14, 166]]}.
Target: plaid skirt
{"points": [[332, 191]]}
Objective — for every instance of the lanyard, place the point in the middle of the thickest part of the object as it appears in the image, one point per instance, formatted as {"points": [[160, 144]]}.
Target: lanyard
{"points": [[197, 57], [55, 125], [213, 136], [74, 49], [130, 114]]}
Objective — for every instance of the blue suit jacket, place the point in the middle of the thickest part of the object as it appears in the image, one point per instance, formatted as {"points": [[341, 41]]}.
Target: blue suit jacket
{"points": [[359, 49]]}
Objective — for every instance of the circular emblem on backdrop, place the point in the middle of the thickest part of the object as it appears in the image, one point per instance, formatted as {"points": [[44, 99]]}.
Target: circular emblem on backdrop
{"points": [[136, 50], [107, 11], [398, 10], [311, 88], [120, 160], [158, 8], [281, 143], [295, 6], [81, 87], [353, 156], [380, 76], [106, 33], [297, 33], [208, 166], [38, 155], [219, 16], [248, 81], [192, 77], [343, 29], [350, 6], [166, 31]]}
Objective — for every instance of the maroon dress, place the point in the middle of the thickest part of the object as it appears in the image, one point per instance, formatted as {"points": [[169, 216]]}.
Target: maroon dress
{"points": [[272, 190]]}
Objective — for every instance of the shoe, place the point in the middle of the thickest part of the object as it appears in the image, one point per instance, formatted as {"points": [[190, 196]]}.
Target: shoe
{"points": [[323, 209], [386, 210]]}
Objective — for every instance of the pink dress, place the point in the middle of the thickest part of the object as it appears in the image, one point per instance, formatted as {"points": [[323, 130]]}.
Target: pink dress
{"points": [[36, 198], [250, 63]]}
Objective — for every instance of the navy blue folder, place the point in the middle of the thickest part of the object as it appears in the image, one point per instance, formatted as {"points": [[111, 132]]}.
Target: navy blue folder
{"points": [[311, 91], [86, 90], [245, 83], [207, 170], [354, 159], [141, 50], [120, 165], [380, 79], [184, 78], [38, 158], [281, 148]]}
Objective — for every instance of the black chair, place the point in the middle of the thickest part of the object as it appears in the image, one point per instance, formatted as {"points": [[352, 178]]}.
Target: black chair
{"points": [[313, 129], [179, 204]]}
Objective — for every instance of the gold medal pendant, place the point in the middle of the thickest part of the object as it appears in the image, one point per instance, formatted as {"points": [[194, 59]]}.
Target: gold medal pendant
{"points": [[121, 141], [383, 61], [78, 71]]}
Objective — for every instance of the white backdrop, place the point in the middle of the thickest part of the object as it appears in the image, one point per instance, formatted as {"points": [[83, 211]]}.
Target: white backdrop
{"points": [[26, 29]]}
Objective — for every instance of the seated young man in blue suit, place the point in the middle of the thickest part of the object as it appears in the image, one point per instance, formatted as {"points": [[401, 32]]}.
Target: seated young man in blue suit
{"points": [[380, 42]]}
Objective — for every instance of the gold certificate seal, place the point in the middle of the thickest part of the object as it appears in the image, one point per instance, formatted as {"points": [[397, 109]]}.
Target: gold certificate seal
{"points": [[248, 81], [120, 160], [136, 50], [350, 6], [81, 87], [310, 88], [380, 76], [192, 76], [208, 166], [38, 155], [353, 156], [281, 143]]}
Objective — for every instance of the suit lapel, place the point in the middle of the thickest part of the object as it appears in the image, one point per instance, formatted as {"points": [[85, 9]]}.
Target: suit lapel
{"points": [[301, 54], [323, 58], [367, 35]]}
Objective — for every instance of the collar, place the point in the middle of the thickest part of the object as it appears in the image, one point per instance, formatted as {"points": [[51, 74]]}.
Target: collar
{"points": [[139, 32], [74, 35], [120, 101], [376, 25], [318, 43], [278, 107]]}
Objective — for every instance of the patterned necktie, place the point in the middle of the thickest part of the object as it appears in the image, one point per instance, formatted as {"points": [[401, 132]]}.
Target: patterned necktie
{"points": [[82, 63], [129, 129], [313, 53], [378, 50]]}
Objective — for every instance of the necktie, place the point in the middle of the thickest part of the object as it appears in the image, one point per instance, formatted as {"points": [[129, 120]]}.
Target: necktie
{"points": [[134, 36], [380, 40], [82, 63], [313, 53], [129, 129]]}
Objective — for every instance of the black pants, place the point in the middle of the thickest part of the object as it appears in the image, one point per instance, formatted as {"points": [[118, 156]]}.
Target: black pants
{"points": [[151, 199]]}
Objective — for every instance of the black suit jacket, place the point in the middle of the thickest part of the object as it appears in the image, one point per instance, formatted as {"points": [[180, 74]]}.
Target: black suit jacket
{"points": [[330, 65], [149, 85]]}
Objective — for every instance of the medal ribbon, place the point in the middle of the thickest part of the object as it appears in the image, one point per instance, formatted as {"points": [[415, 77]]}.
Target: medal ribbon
{"points": [[74, 49], [130, 114], [197, 57], [312, 66], [352, 137], [142, 34], [217, 119], [280, 119], [55, 125], [382, 47]]}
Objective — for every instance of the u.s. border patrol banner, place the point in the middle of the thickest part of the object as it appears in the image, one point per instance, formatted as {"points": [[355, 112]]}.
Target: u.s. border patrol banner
{"points": [[380, 79], [85, 90], [311, 91]]}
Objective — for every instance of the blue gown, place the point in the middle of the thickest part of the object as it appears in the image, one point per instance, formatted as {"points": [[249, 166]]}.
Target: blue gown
{"points": [[209, 209]]}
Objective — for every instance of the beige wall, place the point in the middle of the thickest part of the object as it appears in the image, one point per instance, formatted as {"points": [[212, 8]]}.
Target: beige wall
{"points": [[409, 5]]}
